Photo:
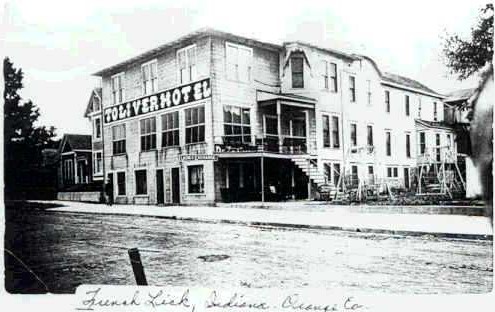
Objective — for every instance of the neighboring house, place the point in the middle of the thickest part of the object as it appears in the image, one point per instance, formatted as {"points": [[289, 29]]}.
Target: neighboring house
{"points": [[213, 117], [75, 165], [93, 113]]}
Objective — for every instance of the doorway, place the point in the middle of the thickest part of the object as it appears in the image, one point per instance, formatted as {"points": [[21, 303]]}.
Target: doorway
{"points": [[406, 178], [160, 195], [175, 177]]}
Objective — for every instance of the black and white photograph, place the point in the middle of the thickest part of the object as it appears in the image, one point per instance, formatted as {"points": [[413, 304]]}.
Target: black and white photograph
{"points": [[259, 145]]}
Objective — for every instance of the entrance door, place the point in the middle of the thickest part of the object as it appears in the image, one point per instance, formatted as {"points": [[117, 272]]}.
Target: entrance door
{"points": [[406, 178], [175, 186], [109, 188], [160, 195]]}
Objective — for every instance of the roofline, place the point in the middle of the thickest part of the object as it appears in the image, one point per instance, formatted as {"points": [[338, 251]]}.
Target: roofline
{"points": [[345, 55], [401, 86], [200, 33]]}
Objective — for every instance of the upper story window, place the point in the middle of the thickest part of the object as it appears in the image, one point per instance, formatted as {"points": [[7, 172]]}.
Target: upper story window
{"points": [[329, 75], [237, 124], [387, 101], [388, 143], [331, 134], [370, 135], [195, 124], [368, 82], [97, 128], [96, 104], [422, 143], [170, 129], [435, 111], [406, 108], [239, 59], [353, 134], [352, 88], [187, 64], [297, 70], [118, 88], [97, 163], [148, 133], [118, 139], [149, 76], [408, 145]]}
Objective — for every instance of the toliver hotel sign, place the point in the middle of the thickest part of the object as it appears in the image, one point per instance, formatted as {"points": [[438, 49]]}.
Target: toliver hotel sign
{"points": [[180, 95]]}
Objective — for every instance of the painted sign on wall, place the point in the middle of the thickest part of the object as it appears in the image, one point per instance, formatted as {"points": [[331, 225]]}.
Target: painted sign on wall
{"points": [[184, 94]]}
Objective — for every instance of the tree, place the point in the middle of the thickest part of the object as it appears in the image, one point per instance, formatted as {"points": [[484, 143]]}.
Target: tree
{"points": [[23, 140], [466, 57]]}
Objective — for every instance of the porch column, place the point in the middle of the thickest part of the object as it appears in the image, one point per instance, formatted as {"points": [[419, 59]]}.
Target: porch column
{"points": [[279, 126], [262, 180], [306, 115]]}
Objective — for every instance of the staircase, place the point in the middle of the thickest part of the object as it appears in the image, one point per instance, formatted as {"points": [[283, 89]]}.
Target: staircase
{"points": [[309, 167]]}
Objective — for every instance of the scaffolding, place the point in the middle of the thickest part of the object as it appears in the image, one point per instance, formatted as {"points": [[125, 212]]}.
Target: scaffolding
{"points": [[438, 173]]}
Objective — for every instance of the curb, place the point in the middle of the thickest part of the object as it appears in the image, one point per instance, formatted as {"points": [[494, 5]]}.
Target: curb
{"points": [[297, 226]]}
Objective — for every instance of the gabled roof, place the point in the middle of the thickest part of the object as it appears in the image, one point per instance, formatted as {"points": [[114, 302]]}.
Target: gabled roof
{"points": [[407, 82], [459, 95], [95, 93], [75, 142]]}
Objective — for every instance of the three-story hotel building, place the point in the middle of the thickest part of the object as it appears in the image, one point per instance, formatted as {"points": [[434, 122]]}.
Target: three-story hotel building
{"points": [[214, 117]]}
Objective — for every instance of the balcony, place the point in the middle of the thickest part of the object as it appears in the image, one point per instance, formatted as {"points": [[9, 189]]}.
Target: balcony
{"points": [[268, 143]]}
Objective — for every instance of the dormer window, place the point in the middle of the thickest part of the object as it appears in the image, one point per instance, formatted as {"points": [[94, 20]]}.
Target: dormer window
{"points": [[297, 69], [187, 64], [96, 105]]}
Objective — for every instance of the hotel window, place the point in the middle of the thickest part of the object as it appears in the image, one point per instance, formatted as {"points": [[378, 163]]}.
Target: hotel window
{"points": [[118, 139], [392, 172], [96, 104], [98, 163], [326, 131], [195, 179], [195, 124], [297, 69], [335, 132], [368, 82], [422, 143], [370, 135], [118, 88], [187, 64], [170, 129], [333, 77], [120, 183], [325, 74], [408, 145], [237, 124], [327, 167], [407, 105], [148, 133], [435, 111], [354, 175], [149, 76], [437, 141], [388, 143], [239, 59], [97, 129], [387, 101], [449, 142], [352, 88], [353, 134], [141, 182]]}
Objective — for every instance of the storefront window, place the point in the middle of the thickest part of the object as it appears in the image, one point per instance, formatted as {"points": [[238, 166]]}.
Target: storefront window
{"points": [[196, 179], [148, 133], [195, 124], [237, 124], [170, 129]]}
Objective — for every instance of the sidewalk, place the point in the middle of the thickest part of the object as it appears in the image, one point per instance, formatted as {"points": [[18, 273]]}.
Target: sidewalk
{"points": [[459, 226]]}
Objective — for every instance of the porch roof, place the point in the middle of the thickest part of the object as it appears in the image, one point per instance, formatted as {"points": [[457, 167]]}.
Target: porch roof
{"points": [[285, 98]]}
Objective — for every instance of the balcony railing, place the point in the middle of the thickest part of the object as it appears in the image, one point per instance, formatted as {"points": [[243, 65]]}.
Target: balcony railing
{"points": [[268, 143]]}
